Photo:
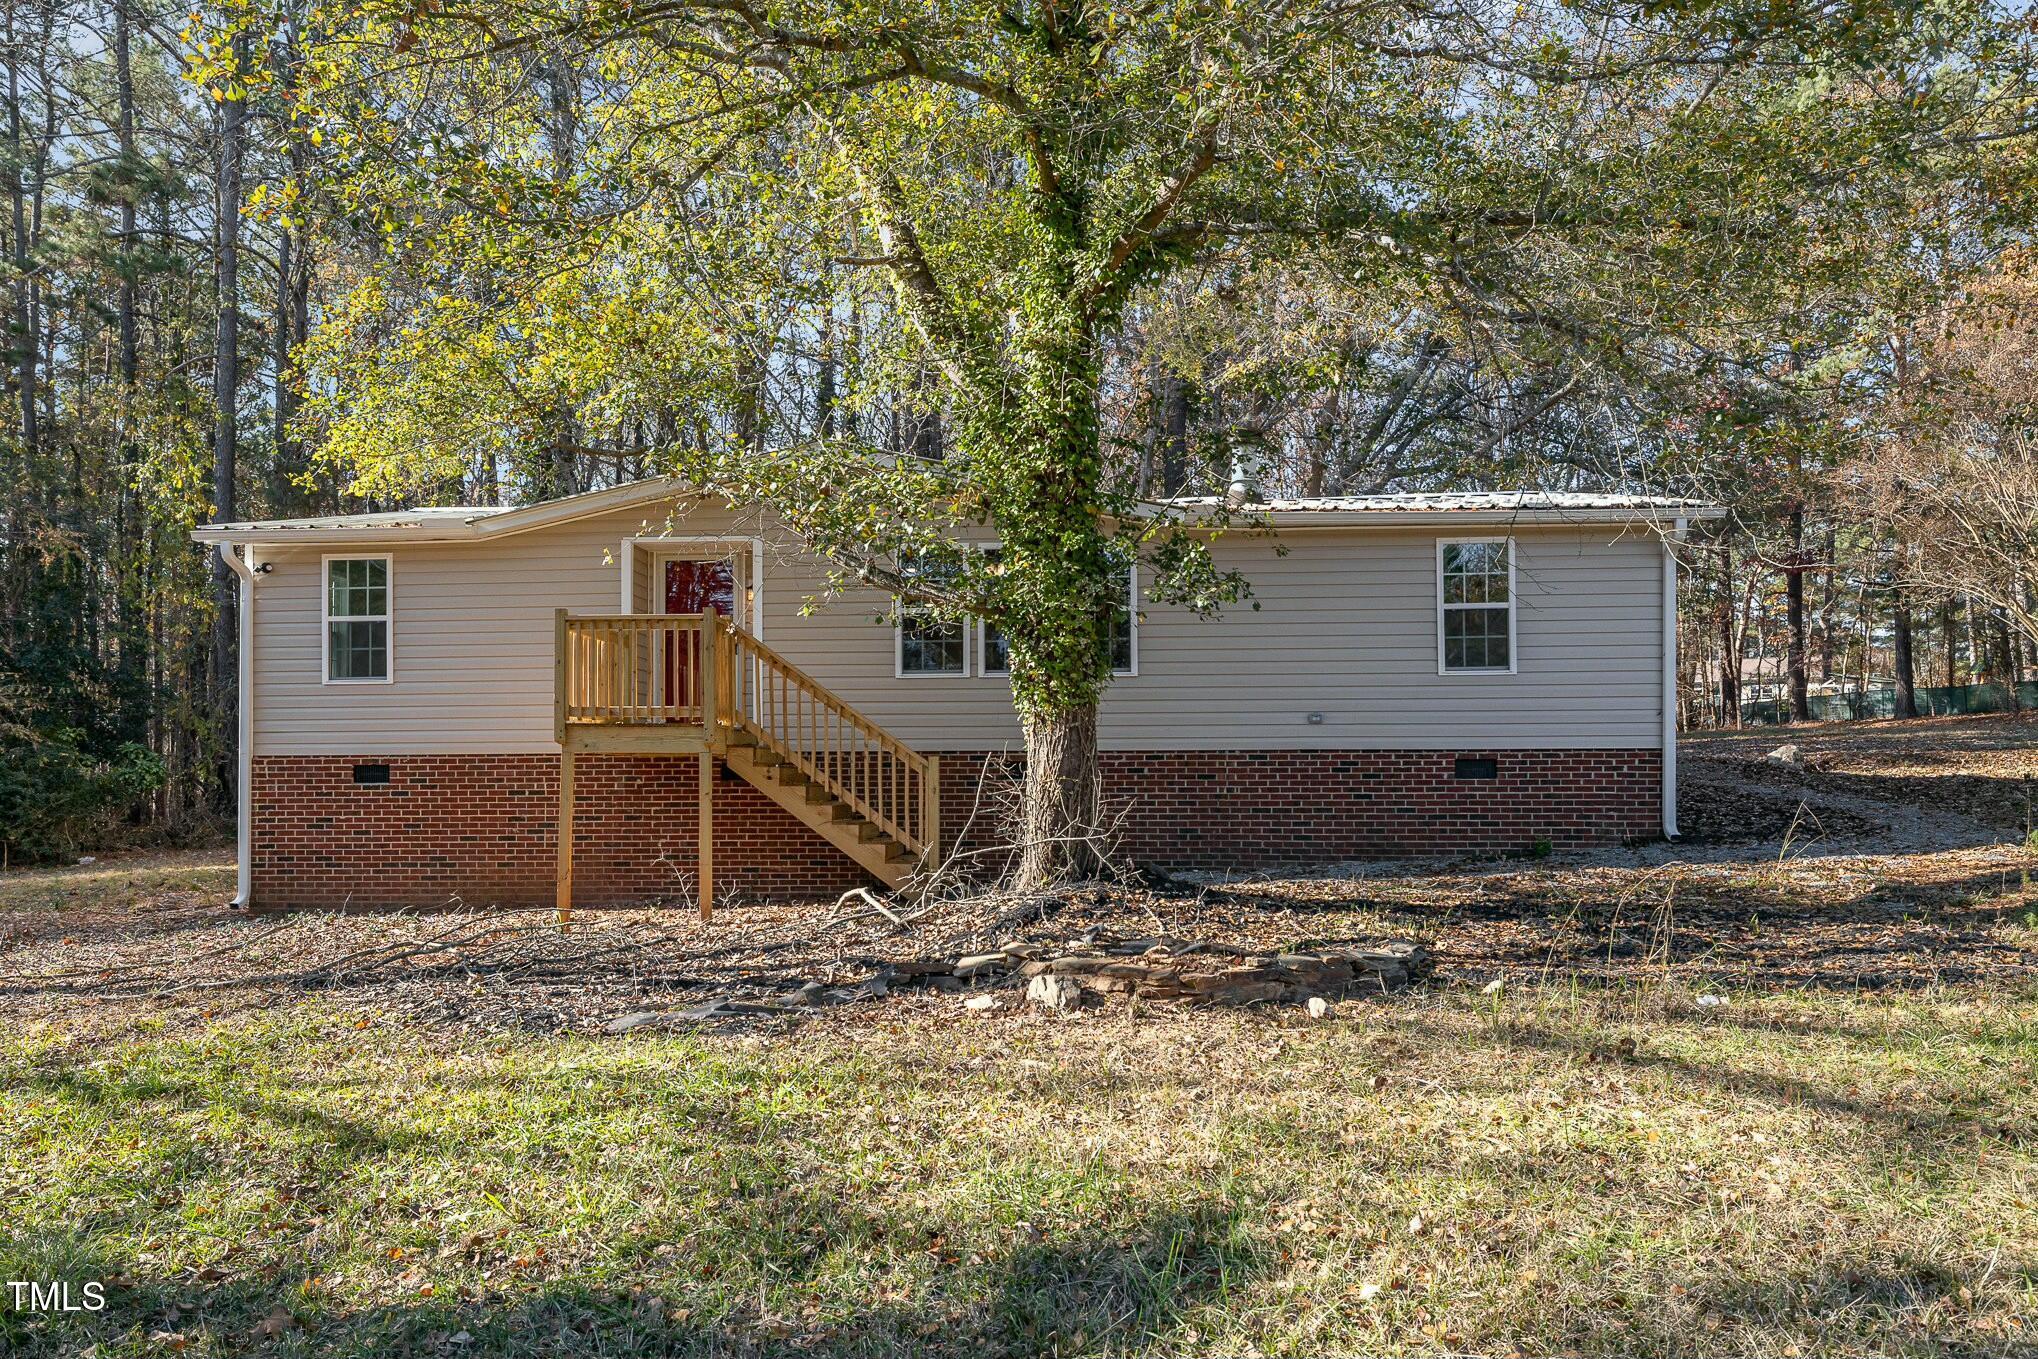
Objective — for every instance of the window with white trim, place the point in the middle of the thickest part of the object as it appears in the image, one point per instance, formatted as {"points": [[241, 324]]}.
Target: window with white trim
{"points": [[927, 645], [1475, 607], [356, 620], [994, 658]]}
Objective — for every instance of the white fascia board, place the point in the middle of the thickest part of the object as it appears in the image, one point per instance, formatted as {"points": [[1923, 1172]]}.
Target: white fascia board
{"points": [[569, 508], [367, 533], [446, 529], [1539, 518]]}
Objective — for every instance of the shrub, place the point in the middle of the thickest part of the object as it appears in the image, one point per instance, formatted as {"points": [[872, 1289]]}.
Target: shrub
{"points": [[53, 791]]}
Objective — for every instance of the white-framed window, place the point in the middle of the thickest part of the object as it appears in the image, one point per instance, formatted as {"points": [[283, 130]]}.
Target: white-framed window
{"points": [[994, 659], [924, 646], [355, 615], [1475, 606]]}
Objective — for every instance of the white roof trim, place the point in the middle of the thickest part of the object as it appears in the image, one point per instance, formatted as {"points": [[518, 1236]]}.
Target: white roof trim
{"points": [[442, 523], [566, 509], [1455, 507], [1531, 515], [467, 523]]}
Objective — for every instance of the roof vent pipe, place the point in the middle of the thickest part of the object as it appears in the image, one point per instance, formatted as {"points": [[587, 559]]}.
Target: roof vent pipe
{"points": [[1248, 469]]}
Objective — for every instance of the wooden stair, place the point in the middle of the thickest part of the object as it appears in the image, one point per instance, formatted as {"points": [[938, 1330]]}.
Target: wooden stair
{"points": [[859, 787], [693, 683], [834, 820]]}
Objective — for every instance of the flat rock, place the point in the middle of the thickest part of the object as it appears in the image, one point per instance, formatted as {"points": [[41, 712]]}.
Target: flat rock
{"points": [[1050, 992]]}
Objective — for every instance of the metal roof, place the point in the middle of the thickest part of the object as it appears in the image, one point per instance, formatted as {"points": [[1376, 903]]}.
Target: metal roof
{"points": [[455, 523], [423, 516], [441, 523], [1445, 502]]}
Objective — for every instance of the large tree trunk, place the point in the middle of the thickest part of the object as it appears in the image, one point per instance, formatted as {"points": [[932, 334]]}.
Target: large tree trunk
{"points": [[25, 336], [1059, 648], [2012, 669], [226, 382], [1730, 651], [1829, 604], [131, 624], [292, 322], [1793, 584], [825, 394], [1061, 837], [1174, 436], [1904, 665], [1946, 633], [562, 131]]}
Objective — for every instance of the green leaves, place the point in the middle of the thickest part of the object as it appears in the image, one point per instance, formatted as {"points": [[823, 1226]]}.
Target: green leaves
{"points": [[674, 219]]}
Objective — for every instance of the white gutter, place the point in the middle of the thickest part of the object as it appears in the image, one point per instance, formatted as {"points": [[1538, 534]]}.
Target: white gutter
{"points": [[245, 793], [1670, 542], [305, 537]]}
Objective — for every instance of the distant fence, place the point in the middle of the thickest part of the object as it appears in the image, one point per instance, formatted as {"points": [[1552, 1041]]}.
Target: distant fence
{"points": [[1880, 701]]}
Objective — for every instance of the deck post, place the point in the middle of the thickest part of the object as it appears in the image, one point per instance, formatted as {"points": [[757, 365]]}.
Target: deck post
{"points": [[559, 676], [709, 668], [562, 889], [707, 846], [563, 900], [930, 814]]}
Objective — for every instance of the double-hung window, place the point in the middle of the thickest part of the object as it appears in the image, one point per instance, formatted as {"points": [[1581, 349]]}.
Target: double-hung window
{"points": [[356, 620], [1475, 606], [994, 657], [927, 645]]}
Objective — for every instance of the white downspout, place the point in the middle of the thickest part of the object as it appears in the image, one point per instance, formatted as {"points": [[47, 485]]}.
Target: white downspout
{"points": [[245, 800], [1670, 680]]}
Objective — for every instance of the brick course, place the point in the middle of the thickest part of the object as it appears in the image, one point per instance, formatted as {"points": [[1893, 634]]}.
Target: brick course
{"points": [[1276, 808], [482, 828], [479, 828]]}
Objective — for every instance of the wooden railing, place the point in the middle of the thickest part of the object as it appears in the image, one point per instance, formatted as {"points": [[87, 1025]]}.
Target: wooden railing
{"points": [[794, 716], [622, 669], [698, 670]]}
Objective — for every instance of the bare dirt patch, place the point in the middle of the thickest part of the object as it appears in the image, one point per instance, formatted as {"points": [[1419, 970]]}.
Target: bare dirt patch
{"points": [[1817, 923], [1814, 879], [1935, 782]]}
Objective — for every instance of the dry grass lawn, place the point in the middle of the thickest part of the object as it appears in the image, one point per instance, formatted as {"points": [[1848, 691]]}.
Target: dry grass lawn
{"points": [[1737, 1097]]}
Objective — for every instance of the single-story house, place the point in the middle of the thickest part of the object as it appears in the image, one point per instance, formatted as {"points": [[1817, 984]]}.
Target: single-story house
{"points": [[428, 696]]}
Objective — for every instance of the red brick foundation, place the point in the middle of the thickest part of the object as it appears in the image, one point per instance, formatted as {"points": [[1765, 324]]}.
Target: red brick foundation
{"points": [[1247, 809], [480, 828], [1260, 808]]}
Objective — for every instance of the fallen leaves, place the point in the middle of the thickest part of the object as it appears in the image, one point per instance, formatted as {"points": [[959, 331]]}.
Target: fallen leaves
{"points": [[279, 1322]]}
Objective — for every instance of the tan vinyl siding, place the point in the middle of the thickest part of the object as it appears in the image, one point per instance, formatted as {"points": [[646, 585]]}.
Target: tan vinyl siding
{"points": [[1346, 627]]}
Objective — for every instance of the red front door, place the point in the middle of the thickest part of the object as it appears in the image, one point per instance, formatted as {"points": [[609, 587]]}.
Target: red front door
{"points": [[694, 587], [701, 587]]}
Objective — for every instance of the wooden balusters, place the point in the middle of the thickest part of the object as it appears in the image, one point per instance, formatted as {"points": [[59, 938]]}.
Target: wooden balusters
{"points": [[697, 670]]}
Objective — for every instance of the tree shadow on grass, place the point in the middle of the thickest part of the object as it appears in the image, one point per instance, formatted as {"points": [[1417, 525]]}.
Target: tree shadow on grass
{"points": [[1100, 1291], [1922, 1131], [140, 1091]]}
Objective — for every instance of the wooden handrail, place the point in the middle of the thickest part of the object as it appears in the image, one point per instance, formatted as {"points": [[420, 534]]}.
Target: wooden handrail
{"points": [[634, 669], [793, 715], [698, 670]]}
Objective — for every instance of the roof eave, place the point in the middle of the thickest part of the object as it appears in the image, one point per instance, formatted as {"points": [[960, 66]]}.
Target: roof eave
{"points": [[1541, 518], [260, 535], [484, 524], [566, 509]]}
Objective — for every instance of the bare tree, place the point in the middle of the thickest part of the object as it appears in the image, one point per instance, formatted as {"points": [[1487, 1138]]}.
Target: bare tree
{"points": [[1957, 478]]}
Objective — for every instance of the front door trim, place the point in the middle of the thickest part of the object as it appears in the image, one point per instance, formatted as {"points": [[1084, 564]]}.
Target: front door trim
{"points": [[698, 547]]}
